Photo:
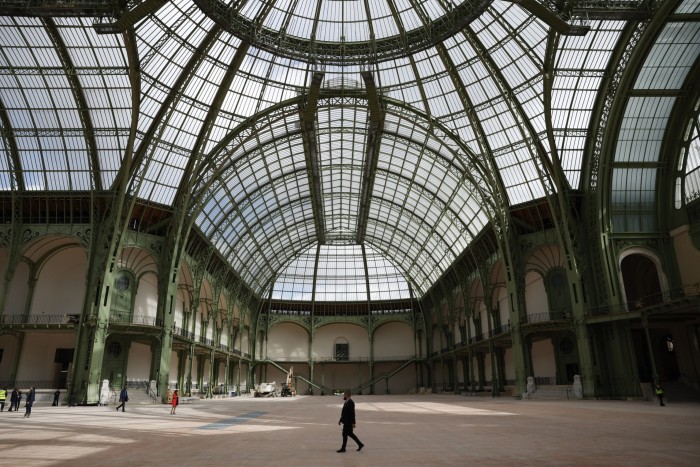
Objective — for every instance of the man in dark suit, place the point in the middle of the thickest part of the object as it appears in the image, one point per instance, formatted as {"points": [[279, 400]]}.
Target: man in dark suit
{"points": [[31, 395], [347, 418], [123, 398]]}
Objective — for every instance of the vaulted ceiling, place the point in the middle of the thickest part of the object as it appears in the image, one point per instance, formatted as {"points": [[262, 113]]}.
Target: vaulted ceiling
{"points": [[280, 125]]}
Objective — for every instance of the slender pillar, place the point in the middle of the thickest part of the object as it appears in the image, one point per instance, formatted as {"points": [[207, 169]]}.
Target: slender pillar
{"points": [[481, 365], [181, 366], [15, 360], [650, 349], [190, 361], [227, 374]]}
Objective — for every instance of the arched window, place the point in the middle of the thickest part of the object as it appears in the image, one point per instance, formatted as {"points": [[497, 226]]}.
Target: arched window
{"points": [[342, 349], [688, 181], [641, 280]]}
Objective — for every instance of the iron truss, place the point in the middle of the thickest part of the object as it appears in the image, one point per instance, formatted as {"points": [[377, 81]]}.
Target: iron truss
{"points": [[341, 52]]}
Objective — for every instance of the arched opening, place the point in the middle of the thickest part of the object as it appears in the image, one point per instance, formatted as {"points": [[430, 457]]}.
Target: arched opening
{"points": [[641, 280]]}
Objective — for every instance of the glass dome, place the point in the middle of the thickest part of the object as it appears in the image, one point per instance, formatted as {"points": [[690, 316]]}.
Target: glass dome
{"points": [[405, 127], [341, 273], [343, 31]]}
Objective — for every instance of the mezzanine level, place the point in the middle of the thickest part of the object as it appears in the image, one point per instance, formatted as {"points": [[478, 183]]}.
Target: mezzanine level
{"points": [[123, 323], [679, 302]]}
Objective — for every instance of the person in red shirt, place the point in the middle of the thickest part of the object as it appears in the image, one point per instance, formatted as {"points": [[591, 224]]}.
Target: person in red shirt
{"points": [[174, 402]]}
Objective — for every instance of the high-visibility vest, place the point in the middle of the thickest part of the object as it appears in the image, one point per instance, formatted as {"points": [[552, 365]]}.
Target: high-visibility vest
{"points": [[659, 391], [3, 394]]}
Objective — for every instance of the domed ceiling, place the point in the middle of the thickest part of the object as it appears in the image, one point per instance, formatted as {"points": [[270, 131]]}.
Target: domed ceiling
{"points": [[403, 125]]}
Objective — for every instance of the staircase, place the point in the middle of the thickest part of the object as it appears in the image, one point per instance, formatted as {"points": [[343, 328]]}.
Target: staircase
{"points": [[139, 396], [552, 392], [139, 393]]}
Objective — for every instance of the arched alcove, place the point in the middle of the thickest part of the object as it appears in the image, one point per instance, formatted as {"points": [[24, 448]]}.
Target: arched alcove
{"points": [[640, 279]]}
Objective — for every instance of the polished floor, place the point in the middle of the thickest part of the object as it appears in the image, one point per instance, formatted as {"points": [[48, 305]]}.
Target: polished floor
{"points": [[418, 430]]}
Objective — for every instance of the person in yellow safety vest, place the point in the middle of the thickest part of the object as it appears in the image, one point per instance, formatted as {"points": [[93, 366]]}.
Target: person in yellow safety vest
{"points": [[3, 396], [660, 394]]}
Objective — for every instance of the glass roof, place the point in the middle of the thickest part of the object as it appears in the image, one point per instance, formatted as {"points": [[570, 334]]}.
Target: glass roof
{"points": [[284, 125], [338, 273], [646, 116], [688, 185], [343, 31]]}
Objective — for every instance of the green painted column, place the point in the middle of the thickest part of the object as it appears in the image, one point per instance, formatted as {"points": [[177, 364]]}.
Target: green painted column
{"points": [[227, 374], [200, 373], [212, 377], [650, 348], [20, 340], [181, 366], [520, 360], [371, 364], [190, 359], [585, 357], [90, 349], [15, 360], [455, 373], [13, 257], [492, 355], [166, 316], [481, 369]]}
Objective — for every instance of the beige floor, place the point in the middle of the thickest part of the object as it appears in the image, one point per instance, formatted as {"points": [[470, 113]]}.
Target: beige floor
{"points": [[397, 430]]}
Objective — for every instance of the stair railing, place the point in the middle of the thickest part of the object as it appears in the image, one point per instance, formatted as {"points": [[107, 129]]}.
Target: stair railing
{"points": [[322, 388], [151, 393], [387, 375]]}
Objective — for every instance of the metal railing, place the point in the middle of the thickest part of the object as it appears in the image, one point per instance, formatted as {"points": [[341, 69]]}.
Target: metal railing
{"points": [[503, 329], [545, 381], [668, 296], [151, 393], [324, 389], [384, 376], [28, 383], [41, 319], [341, 360], [553, 315], [136, 319], [183, 333]]}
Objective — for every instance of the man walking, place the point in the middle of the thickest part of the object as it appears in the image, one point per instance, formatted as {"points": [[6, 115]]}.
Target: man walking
{"points": [[123, 398], [31, 395], [3, 397], [347, 418]]}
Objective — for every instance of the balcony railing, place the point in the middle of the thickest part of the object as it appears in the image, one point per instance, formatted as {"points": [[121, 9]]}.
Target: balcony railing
{"points": [[554, 315], [183, 333], [343, 360], [503, 329], [659, 298], [138, 320], [41, 319]]}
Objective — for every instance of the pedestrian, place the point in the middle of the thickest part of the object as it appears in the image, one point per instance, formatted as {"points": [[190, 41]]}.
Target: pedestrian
{"points": [[347, 419], [174, 402], [3, 397], [30, 402], [123, 398], [19, 399], [56, 395], [660, 394], [13, 400]]}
